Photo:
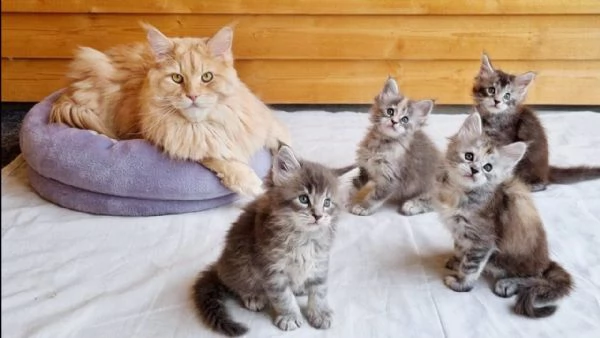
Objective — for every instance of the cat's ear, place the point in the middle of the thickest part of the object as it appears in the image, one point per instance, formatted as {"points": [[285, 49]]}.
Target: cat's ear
{"points": [[422, 109], [159, 43], [220, 44], [285, 165], [486, 66], [471, 127], [390, 87], [523, 81], [511, 154]]}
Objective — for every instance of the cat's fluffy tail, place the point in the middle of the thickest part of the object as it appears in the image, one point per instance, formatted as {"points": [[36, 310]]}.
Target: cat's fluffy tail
{"points": [[79, 106], [573, 174], [535, 299], [209, 298]]}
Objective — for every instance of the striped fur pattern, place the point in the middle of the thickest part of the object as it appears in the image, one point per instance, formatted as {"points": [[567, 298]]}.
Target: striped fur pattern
{"points": [[278, 248], [495, 224]]}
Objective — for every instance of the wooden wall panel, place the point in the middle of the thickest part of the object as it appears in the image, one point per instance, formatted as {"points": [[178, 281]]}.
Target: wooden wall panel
{"points": [[289, 81], [328, 37], [334, 51], [315, 7]]}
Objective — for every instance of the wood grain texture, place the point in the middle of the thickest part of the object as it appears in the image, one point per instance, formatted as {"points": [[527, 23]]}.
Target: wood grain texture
{"points": [[280, 81], [385, 7], [321, 37]]}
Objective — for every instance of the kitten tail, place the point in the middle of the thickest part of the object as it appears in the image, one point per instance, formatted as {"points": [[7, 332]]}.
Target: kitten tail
{"points": [[554, 284], [209, 298], [573, 174]]}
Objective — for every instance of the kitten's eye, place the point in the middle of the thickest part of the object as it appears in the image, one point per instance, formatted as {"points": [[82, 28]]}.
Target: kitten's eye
{"points": [[469, 156], [389, 112], [491, 90], [327, 203], [488, 167], [404, 119], [177, 78], [303, 199], [506, 96], [207, 77]]}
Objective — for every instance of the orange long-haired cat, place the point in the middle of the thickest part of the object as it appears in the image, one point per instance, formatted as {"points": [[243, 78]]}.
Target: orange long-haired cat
{"points": [[181, 94]]}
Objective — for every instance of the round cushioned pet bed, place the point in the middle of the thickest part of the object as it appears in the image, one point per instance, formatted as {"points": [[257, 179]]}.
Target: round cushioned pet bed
{"points": [[84, 171]]}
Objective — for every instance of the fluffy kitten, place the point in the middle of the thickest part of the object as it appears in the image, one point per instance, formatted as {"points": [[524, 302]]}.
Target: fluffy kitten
{"points": [[396, 159], [495, 224], [277, 248], [499, 97], [181, 94]]}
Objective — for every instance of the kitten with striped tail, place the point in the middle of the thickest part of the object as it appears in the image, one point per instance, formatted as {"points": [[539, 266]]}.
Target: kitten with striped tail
{"points": [[278, 248], [495, 224]]}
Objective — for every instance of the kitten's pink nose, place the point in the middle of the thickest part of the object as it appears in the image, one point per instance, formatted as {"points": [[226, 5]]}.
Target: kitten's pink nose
{"points": [[496, 101], [317, 217], [192, 97]]}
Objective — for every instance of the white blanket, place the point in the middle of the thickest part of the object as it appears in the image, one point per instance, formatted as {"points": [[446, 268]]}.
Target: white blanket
{"points": [[70, 274]]}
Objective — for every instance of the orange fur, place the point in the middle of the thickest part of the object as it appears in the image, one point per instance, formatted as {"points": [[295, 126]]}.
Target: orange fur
{"points": [[130, 92]]}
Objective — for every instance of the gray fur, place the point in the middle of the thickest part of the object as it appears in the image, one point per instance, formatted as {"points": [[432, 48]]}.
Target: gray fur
{"points": [[277, 248], [396, 159], [495, 224]]}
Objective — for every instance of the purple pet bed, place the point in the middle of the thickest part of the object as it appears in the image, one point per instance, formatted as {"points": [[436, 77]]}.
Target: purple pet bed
{"points": [[88, 172]]}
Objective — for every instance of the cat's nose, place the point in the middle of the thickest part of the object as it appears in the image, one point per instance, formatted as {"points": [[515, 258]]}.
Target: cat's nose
{"points": [[317, 217], [192, 97], [496, 101], [474, 171]]}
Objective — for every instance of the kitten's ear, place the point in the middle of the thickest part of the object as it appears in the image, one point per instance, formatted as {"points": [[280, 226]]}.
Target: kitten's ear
{"points": [[471, 128], [486, 65], [160, 44], [285, 164], [390, 87], [523, 81], [513, 153], [220, 44], [422, 108]]}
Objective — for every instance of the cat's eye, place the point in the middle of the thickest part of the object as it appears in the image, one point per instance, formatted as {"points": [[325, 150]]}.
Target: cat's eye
{"points": [[207, 77], [506, 96], [491, 90], [469, 156], [488, 167], [327, 203], [177, 78], [404, 119], [303, 199], [389, 111]]}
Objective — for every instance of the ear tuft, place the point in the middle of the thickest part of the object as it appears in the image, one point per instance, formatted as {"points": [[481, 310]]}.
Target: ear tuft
{"points": [[159, 43]]}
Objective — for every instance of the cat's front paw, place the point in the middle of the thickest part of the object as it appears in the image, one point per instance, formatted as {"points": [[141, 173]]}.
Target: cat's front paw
{"points": [[457, 284], [453, 263], [244, 184], [254, 303], [320, 318], [506, 288], [360, 210], [411, 207], [289, 321]]}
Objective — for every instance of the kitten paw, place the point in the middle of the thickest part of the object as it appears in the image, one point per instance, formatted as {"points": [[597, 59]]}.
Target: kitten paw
{"points": [[320, 318], [300, 291], [289, 322], [410, 208], [505, 288], [254, 303], [538, 187], [360, 211], [455, 284], [452, 263]]}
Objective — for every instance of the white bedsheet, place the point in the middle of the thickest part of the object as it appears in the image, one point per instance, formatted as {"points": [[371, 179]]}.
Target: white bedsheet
{"points": [[70, 274]]}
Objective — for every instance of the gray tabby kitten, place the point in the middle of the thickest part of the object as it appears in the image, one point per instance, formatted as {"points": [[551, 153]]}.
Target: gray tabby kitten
{"points": [[499, 98], [495, 224], [396, 159], [278, 248]]}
